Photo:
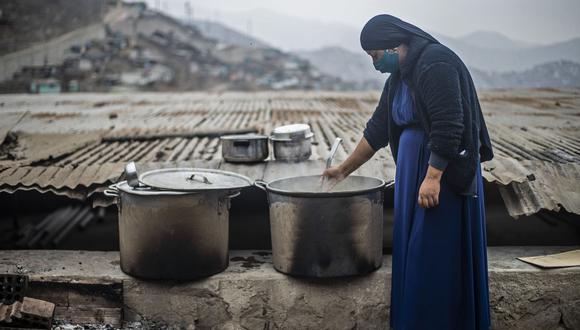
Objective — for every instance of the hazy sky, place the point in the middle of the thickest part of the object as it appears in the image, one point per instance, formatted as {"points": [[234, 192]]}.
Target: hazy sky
{"points": [[538, 21]]}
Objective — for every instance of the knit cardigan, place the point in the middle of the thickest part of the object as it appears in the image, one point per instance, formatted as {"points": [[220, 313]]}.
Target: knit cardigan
{"points": [[447, 107]]}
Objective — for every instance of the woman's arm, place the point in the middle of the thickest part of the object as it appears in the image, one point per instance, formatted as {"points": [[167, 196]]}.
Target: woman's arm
{"points": [[375, 137], [361, 154], [440, 90]]}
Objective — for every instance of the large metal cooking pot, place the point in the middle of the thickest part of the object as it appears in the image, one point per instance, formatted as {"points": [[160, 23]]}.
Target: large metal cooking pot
{"points": [[244, 148], [171, 234], [326, 234], [292, 143]]}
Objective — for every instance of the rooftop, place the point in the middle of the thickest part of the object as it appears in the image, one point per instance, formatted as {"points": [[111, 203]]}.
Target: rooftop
{"points": [[77, 144]]}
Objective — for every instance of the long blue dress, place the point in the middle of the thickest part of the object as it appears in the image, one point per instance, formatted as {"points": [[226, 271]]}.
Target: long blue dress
{"points": [[439, 277]]}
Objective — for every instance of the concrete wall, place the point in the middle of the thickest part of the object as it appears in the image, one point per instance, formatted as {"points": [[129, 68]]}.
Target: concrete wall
{"points": [[256, 297], [250, 294]]}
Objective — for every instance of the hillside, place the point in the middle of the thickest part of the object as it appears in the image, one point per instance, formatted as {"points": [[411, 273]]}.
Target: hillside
{"points": [[145, 49], [512, 59], [349, 66], [554, 74], [493, 40], [355, 66], [484, 50], [358, 68], [227, 34], [24, 23]]}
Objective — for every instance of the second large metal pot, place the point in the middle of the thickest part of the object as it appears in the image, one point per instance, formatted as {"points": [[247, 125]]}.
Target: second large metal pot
{"points": [[173, 224], [326, 234], [172, 235]]}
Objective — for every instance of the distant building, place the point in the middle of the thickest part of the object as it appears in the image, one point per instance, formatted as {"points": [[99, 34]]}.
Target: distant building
{"points": [[45, 86]]}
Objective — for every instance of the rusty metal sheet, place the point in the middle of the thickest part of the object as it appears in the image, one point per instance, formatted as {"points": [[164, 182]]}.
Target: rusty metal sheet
{"points": [[32, 148], [555, 186], [79, 194], [31, 177], [535, 134], [504, 170], [7, 122]]}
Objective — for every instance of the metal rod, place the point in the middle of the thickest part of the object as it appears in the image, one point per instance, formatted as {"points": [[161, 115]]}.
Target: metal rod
{"points": [[70, 225], [85, 222], [57, 225], [41, 233], [101, 214], [46, 220], [333, 150]]}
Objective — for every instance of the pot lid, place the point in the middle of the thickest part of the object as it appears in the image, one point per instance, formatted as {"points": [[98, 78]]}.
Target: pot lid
{"points": [[290, 132], [193, 179], [244, 137]]}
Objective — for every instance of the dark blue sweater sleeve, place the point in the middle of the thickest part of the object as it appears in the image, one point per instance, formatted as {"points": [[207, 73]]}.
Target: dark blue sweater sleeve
{"points": [[441, 93], [377, 131]]}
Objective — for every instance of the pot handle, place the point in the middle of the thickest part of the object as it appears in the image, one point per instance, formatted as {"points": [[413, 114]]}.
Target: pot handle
{"points": [[390, 184], [112, 191], [242, 143], [199, 178], [261, 184], [235, 194]]}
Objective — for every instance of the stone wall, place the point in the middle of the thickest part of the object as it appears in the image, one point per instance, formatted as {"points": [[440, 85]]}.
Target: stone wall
{"points": [[250, 294]]}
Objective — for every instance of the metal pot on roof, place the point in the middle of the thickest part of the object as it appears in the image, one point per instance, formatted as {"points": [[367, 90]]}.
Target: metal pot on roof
{"points": [[248, 148], [317, 233], [174, 226], [292, 143]]}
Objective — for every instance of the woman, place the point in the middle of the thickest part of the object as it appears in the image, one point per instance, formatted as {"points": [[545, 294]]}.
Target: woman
{"points": [[430, 115]]}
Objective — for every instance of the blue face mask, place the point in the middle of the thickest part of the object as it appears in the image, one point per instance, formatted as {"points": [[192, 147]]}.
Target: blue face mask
{"points": [[388, 63]]}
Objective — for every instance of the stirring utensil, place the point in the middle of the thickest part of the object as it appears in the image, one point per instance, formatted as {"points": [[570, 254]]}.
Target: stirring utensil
{"points": [[333, 150], [330, 157]]}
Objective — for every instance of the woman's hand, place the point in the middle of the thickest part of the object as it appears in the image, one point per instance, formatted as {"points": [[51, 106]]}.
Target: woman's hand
{"points": [[335, 174], [332, 176], [429, 190]]}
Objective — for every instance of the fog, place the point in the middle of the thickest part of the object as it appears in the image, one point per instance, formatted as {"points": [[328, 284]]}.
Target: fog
{"points": [[534, 21]]}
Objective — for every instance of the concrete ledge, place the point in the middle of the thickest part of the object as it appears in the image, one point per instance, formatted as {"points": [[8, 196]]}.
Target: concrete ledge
{"points": [[250, 294]]}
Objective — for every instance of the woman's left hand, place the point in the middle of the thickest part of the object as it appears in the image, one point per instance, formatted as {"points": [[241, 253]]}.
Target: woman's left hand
{"points": [[429, 190]]}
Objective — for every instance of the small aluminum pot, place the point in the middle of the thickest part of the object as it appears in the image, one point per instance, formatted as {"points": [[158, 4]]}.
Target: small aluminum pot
{"points": [[172, 235], [245, 148], [292, 143], [293, 150], [316, 233]]}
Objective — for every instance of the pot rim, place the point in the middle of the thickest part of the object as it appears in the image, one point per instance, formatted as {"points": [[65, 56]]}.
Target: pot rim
{"points": [[123, 186], [166, 186], [248, 137], [329, 194], [292, 139]]}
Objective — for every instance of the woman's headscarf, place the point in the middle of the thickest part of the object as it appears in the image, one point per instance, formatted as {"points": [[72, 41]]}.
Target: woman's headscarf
{"points": [[386, 32]]}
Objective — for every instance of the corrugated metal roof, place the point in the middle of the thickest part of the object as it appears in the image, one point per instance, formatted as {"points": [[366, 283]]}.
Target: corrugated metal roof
{"points": [[85, 139], [553, 187]]}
